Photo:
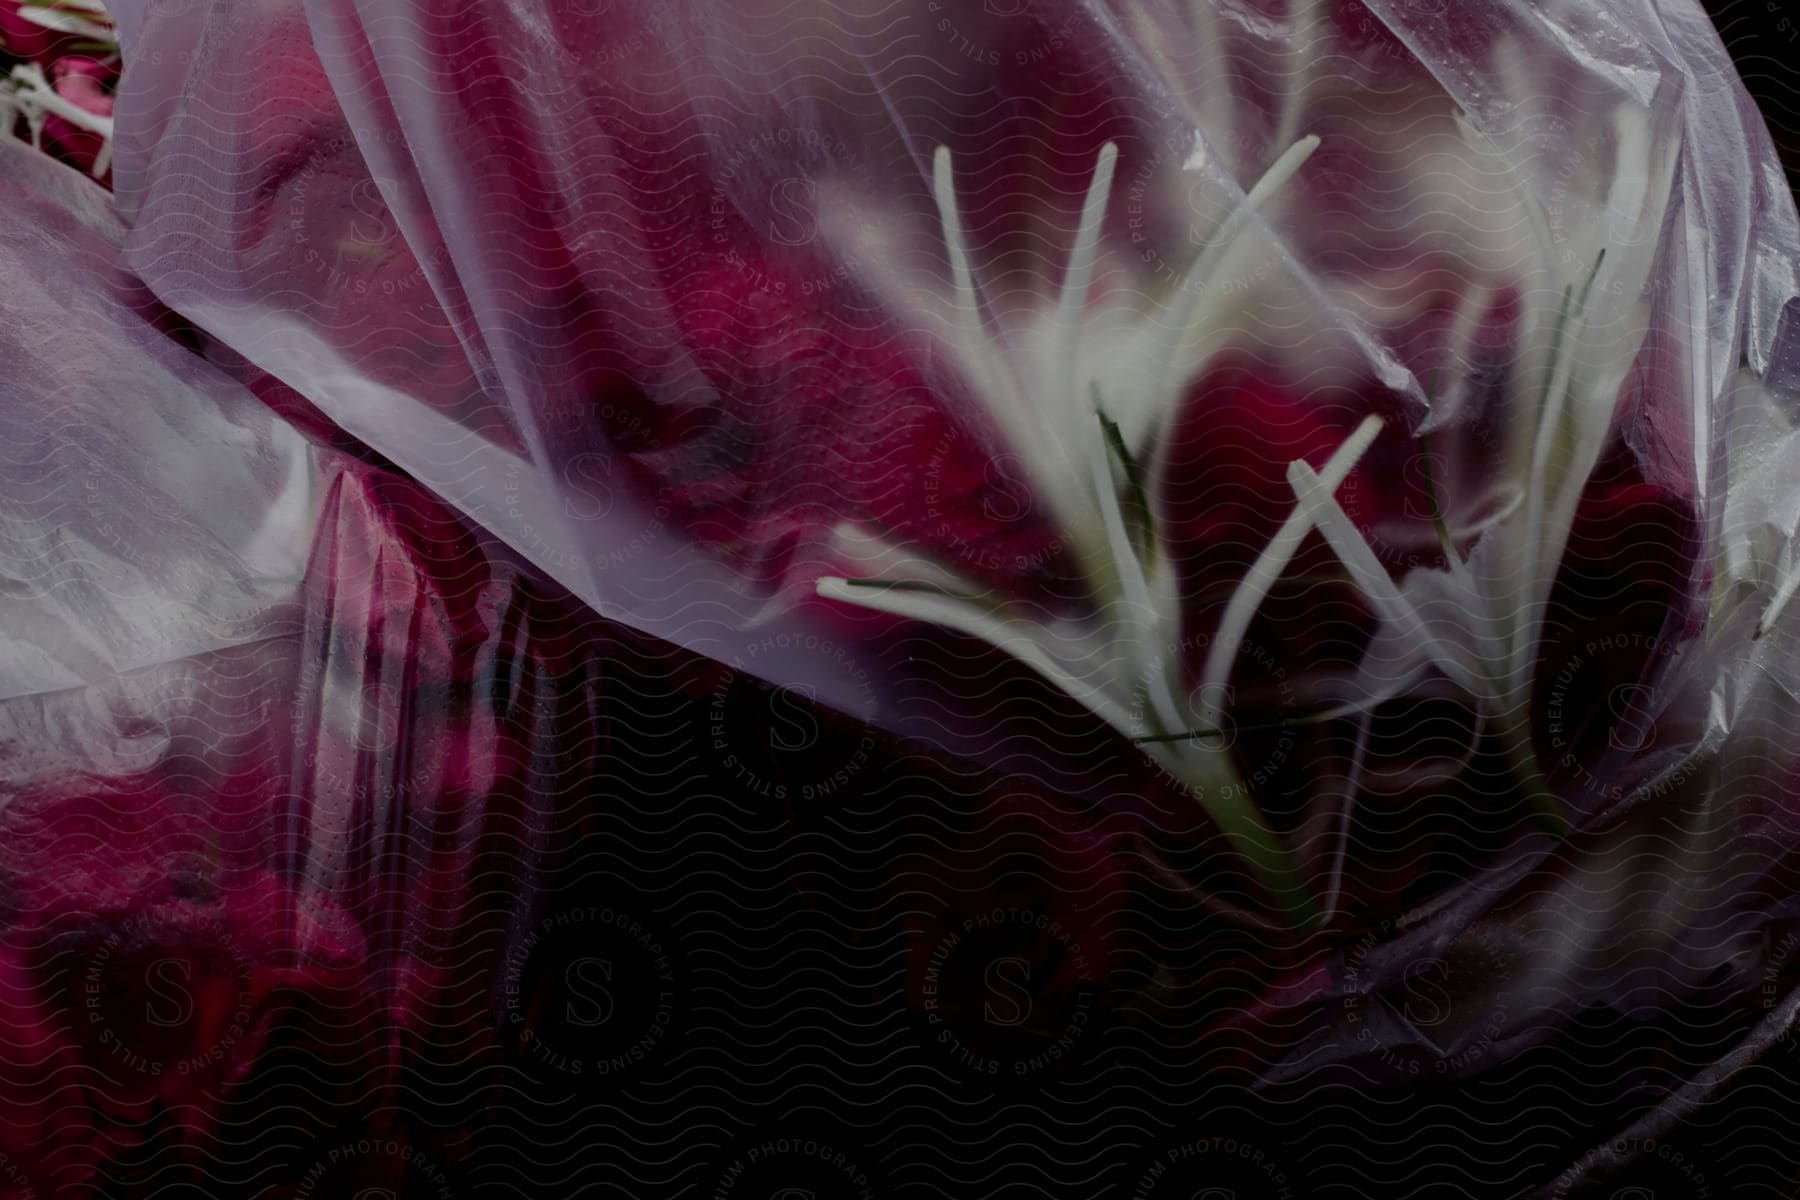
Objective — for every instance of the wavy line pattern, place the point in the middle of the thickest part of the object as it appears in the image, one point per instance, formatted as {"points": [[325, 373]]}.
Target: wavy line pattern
{"points": [[424, 774]]}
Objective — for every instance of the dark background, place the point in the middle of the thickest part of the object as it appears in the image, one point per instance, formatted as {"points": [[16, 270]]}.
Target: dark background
{"points": [[1764, 39]]}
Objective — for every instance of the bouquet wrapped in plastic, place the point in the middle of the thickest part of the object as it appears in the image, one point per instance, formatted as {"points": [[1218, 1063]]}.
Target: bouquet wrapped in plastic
{"points": [[274, 726], [1155, 347], [1346, 454]]}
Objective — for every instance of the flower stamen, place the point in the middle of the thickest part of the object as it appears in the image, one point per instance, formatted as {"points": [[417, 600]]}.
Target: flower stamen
{"points": [[1269, 566]]}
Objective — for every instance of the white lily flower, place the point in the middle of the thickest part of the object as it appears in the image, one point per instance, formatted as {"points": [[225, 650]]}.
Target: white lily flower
{"points": [[1084, 397], [1085, 394]]}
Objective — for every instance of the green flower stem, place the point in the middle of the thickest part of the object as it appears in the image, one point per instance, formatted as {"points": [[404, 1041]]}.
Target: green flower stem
{"points": [[1210, 777]]}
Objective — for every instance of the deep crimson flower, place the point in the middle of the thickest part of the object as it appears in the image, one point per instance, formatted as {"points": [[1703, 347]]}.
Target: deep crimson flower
{"points": [[87, 84], [168, 978], [143, 985], [31, 41], [865, 432]]}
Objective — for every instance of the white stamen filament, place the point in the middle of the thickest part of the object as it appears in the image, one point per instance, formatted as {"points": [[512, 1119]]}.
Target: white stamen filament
{"points": [[1136, 632], [1241, 609], [1080, 272], [72, 16], [967, 300], [34, 96], [1206, 264], [1117, 661], [944, 189], [1322, 509], [1026, 641], [1035, 380]]}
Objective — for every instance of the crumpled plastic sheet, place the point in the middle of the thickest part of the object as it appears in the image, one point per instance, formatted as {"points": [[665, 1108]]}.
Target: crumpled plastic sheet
{"points": [[278, 743], [340, 853], [658, 261], [326, 825], [656, 297], [304, 782]]}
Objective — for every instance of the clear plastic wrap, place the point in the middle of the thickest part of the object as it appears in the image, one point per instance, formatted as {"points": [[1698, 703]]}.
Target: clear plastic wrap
{"points": [[1384, 422], [294, 767], [343, 854], [697, 310]]}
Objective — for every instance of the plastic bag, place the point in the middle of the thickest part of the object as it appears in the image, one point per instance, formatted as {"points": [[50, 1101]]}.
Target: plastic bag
{"points": [[342, 854], [714, 323], [692, 310], [286, 771], [716, 348]]}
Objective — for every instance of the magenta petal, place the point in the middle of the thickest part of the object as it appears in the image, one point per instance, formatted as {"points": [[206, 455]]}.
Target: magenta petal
{"points": [[23, 38]]}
